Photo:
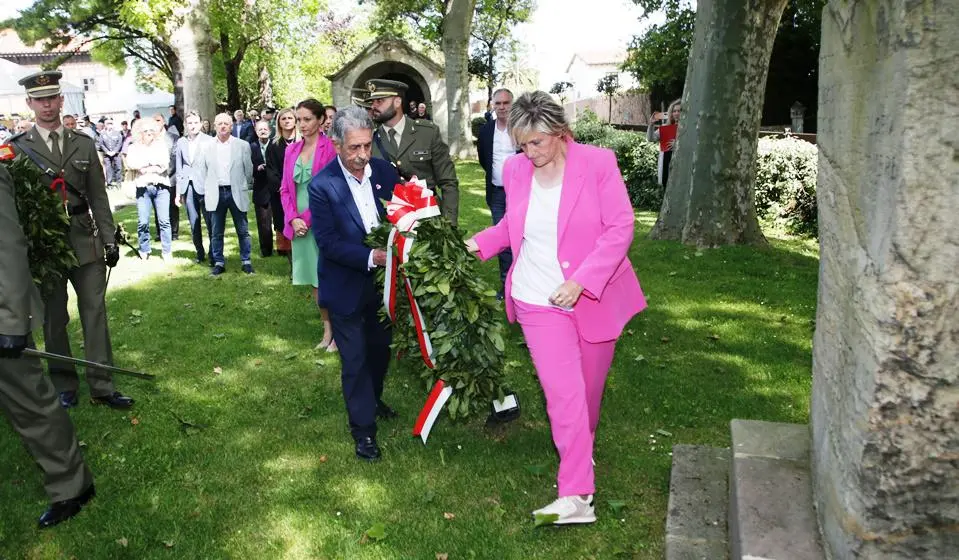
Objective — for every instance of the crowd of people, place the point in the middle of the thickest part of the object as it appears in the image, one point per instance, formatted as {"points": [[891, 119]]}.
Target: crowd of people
{"points": [[319, 180]]}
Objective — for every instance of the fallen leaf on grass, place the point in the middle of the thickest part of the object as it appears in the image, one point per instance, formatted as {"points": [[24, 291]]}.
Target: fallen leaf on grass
{"points": [[219, 335], [81, 443], [289, 356], [541, 519], [376, 533], [664, 340], [320, 363], [442, 556], [640, 358], [713, 336], [257, 363], [664, 433], [136, 313], [323, 458], [449, 516], [616, 505], [122, 541], [168, 544], [134, 420], [217, 370]]}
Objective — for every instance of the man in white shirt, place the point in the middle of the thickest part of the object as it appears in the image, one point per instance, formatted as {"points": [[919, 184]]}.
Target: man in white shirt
{"points": [[229, 174], [189, 155], [347, 200], [495, 147]]}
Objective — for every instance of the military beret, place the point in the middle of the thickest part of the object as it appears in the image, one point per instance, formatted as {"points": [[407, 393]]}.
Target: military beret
{"points": [[379, 89], [42, 84]]}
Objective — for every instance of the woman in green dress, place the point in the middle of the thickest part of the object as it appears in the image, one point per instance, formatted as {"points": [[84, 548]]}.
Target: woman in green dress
{"points": [[302, 161]]}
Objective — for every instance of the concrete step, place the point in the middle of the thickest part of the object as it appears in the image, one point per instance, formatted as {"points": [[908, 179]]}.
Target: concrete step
{"points": [[698, 503], [771, 514]]}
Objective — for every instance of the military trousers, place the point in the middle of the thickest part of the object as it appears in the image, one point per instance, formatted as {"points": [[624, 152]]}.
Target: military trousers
{"points": [[90, 283], [30, 402]]}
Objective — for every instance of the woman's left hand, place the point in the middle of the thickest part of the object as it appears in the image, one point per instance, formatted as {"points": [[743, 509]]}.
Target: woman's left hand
{"points": [[567, 294]]}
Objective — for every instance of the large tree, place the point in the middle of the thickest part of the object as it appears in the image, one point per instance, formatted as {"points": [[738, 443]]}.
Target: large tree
{"points": [[493, 37], [709, 200], [658, 57], [446, 24]]}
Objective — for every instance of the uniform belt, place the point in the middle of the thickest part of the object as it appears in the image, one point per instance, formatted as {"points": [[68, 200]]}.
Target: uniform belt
{"points": [[79, 210]]}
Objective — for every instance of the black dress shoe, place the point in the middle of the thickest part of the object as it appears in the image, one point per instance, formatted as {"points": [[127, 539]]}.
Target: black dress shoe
{"points": [[59, 512], [384, 411], [68, 399], [217, 270], [116, 400], [367, 449]]}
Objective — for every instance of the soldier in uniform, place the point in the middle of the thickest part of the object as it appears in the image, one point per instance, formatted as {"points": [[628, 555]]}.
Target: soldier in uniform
{"points": [[413, 146], [73, 156], [27, 397], [110, 143]]}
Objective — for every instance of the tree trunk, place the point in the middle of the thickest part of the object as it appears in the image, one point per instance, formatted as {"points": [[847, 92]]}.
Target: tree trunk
{"points": [[231, 68], [456, 35], [709, 200], [609, 115], [491, 75], [266, 87], [190, 38], [177, 81]]}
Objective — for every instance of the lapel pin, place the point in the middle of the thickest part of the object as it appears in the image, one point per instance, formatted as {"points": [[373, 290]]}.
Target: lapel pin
{"points": [[377, 186]]}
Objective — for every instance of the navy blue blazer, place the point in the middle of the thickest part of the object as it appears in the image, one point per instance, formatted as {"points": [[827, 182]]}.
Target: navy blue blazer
{"points": [[485, 148], [345, 281]]}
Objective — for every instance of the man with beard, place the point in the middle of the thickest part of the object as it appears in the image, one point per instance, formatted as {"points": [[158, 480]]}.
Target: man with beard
{"points": [[347, 199], [414, 147], [74, 156]]}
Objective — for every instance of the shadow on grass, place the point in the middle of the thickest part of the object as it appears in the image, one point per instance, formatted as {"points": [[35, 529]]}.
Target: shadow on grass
{"points": [[270, 472]]}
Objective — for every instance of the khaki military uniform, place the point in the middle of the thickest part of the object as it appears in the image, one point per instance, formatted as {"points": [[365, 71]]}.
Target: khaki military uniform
{"points": [[26, 396], [423, 153], [91, 227]]}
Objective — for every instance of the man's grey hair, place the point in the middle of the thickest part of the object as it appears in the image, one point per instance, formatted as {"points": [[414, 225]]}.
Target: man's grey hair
{"points": [[348, 119]]}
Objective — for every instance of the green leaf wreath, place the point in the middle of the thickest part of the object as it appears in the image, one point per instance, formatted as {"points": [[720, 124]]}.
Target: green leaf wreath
{"points": [[464, 322], [44, 221]]}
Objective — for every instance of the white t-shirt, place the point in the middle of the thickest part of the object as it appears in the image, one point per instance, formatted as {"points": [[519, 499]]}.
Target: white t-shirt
{"points": [[537, 273], [502, 149]]}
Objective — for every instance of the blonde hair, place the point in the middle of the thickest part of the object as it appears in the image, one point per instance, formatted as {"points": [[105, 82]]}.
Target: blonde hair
{"points": [[537, 112], [279, 132], [670, 111]]}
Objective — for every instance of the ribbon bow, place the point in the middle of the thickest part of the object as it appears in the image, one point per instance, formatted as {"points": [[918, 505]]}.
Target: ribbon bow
{"points": [[411, 202]]}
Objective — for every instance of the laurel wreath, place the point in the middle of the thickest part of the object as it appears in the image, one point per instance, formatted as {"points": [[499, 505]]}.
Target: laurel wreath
{"points": [[45, 223], [462, 318]]}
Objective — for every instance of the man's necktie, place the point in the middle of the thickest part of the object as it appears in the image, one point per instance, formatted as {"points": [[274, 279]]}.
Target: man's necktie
{"points": [[55, 147], [393, 146]]}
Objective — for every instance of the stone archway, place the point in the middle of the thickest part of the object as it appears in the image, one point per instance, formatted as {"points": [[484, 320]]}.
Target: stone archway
{"points": [[395, 59]]}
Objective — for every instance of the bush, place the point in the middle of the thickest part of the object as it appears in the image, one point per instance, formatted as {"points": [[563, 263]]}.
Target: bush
{"points": [[786, 184], [636, 156], [476, 124]]}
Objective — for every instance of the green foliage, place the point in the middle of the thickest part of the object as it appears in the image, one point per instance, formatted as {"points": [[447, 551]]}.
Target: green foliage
{"points": [[658, 58], [794, 64], [44, 221], [636, 156], [463, 320], [786, 184], [492, 37], [476, 124]]}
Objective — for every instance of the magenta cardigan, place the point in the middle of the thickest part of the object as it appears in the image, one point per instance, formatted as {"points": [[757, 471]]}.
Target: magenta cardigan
{"points": [[323, 155]]}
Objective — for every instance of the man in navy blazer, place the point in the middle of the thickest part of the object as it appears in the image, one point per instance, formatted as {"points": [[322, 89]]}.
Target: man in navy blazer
{"points": [[347, 200], [495, 146]]}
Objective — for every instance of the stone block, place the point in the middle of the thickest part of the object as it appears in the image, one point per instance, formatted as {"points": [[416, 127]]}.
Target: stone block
{"points": [[771, 512], [698, 502]]}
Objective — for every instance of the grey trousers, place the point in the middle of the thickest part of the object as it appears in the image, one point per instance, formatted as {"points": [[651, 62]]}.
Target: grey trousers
{"points": [[30, 402]]}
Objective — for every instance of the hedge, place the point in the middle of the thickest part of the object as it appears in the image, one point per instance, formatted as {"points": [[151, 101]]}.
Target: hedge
{"points": [[785, 177]]}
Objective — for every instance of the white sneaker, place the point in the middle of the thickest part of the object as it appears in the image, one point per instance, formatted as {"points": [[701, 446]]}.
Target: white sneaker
{"points": [[570, 509]]}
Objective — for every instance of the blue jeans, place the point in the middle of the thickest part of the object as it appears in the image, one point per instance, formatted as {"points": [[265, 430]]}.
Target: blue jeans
{"points": [[194, 209], [218, 224], [496, 200], [149, 197]]}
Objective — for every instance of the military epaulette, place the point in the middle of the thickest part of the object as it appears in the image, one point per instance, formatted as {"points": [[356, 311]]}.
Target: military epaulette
{"points": [[424, 122], [73, 135]]}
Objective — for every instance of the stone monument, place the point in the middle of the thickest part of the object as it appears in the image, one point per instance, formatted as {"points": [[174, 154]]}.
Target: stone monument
{"points": [[885, 404]]}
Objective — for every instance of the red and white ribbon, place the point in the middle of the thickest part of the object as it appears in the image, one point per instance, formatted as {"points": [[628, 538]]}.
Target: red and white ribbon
{"points": [[431, 410], [411, 202]]}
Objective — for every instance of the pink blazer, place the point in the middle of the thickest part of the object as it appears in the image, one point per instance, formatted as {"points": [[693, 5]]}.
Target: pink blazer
{"points": [[323, 155], [595, 232]]}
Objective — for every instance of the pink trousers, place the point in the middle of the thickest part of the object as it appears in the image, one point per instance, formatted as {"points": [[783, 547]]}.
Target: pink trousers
{"points": [[572, 372]]}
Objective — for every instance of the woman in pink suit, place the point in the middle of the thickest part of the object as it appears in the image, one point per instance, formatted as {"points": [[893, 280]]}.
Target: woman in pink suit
{"points": [[572, 288], [303, 160]]}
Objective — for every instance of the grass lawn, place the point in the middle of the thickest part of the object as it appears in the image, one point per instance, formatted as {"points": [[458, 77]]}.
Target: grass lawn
{"points": [[272, 474]]}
